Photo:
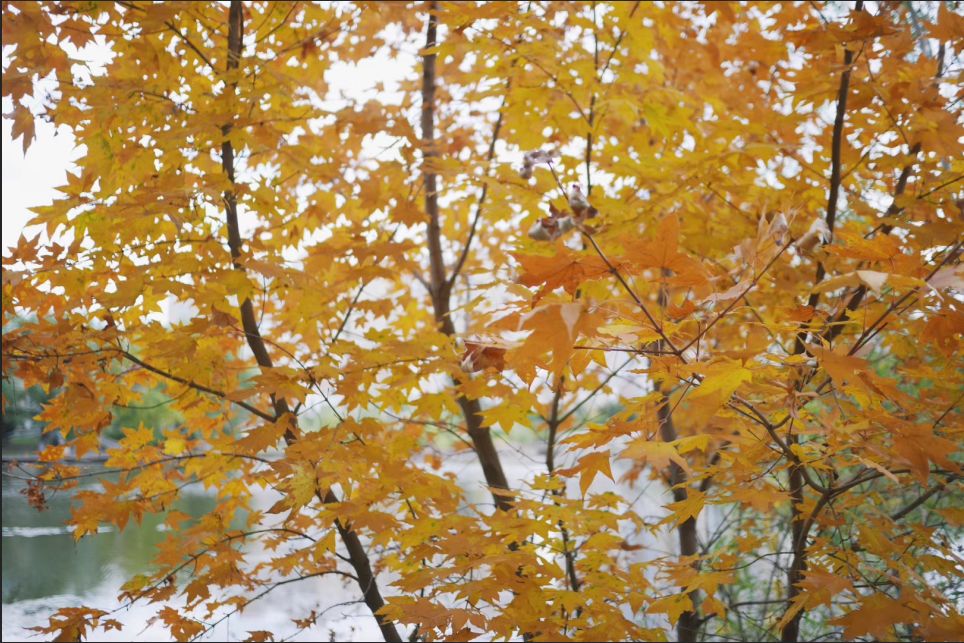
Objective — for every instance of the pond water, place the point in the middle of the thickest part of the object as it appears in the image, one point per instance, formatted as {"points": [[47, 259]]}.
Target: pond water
{"points": [[44, 569], [41, 558]]}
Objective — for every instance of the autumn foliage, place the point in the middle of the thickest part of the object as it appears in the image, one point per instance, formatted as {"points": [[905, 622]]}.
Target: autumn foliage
{"points": [[698, 263]]}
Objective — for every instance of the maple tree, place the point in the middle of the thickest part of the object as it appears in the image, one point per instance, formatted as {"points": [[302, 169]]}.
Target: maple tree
{"points": [[738, 226]]}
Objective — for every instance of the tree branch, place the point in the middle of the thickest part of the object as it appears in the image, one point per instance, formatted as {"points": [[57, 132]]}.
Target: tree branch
{"points": [[358, 556], [440, 288], [688, 625], [799, 527], [835, 326], [554, 421], [170, 25], [615, 272], [740, 297], [481, 201], [264, 415], [429, 154], [687, 628], [917, 502]]}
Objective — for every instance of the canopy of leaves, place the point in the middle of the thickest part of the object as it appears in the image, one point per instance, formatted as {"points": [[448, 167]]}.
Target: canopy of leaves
{"points": [[711, 246]]}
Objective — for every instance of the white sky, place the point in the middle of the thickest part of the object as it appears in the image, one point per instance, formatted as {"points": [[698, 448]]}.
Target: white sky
{"points": [[30, 180]]}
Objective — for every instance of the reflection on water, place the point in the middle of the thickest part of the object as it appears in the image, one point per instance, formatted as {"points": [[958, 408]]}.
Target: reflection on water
{"points": [[44, 569], [41, 558]]}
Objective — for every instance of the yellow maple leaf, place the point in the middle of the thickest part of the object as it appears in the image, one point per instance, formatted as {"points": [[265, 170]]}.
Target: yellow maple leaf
{"points": [[689, 507], [174, 445], [591, 464], [673, 606], [566, 268], [302, 484]]}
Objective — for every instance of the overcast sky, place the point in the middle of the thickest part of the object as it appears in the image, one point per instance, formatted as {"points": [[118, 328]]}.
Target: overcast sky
{"points": [[30, 180]]}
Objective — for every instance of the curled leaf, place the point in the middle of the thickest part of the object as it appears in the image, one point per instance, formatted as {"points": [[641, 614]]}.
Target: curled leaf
{"points": [[533, 158], [550, 228], [580, 205], [817, 234], [478, 357]]}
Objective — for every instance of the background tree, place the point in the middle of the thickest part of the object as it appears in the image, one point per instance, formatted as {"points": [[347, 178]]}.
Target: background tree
{"points": [[740, 224]]}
